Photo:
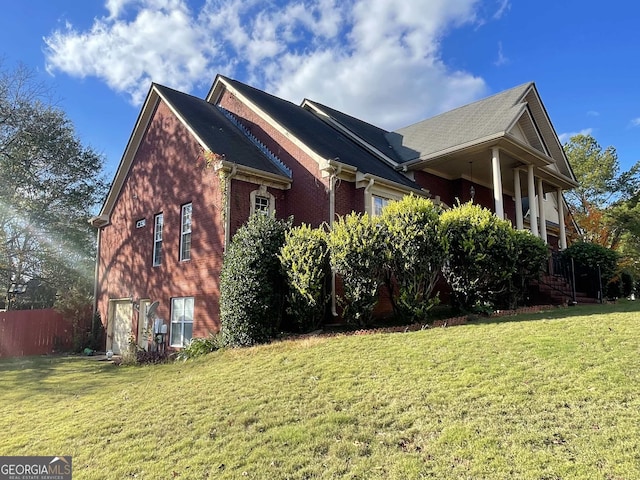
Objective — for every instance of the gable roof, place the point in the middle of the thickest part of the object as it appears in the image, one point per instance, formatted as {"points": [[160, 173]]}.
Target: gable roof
{"points": [[326, 141], [216, 132], [461, 126], [210, 128]]}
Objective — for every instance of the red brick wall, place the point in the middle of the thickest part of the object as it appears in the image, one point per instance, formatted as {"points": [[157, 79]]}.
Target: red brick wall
{"points": [[308, 198], [165, 174], [437, 186]]}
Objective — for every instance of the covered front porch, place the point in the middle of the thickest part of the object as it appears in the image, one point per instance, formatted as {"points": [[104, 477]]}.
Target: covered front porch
{"points": [[517, 182]]}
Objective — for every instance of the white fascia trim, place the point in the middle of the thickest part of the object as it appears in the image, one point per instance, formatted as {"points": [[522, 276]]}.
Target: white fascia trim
{"points": [[364, 179], [249, 174], [489, 140]]}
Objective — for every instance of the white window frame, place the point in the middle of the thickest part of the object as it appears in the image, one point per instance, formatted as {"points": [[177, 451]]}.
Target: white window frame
{"points": [[182, 313], [158, 226], [186, 214], [383, 202], [259, 195]]}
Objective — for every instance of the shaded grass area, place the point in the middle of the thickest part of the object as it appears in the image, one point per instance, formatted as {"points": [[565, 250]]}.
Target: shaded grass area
{"points": [[540, 396]]}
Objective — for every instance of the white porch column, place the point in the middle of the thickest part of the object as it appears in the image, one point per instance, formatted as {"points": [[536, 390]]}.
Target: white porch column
{"points": [[543, 215], [563, 231], [533, 208], [518, 190], [497, 182]]}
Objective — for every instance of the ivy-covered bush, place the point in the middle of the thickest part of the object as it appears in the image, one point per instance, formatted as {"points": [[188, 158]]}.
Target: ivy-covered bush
{"points": [[414, 255], [356, 252], [479, 255], [531, 254], [252, 287], [305, 263]]}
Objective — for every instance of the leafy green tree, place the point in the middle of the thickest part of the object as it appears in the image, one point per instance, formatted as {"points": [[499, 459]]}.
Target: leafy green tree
{"points": [[356, 252], [49, 185], [600, 203], [479, 255], [414, 255], [252, 286], [305, 262]]}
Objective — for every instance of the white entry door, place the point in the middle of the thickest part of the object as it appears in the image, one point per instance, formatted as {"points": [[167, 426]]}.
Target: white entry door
{"points": [[120, 326]]}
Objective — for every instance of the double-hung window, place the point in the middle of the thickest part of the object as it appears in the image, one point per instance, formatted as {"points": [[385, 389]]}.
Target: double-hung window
{"points": [[157, 239], [262, 201], [261, 205], [378, 204], [185, 232], [181, 321]]}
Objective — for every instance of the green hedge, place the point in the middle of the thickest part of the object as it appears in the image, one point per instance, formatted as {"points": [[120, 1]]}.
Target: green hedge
{"points": [[479, 255], [414, 255], [356, 253], [305, 263], [252, 287]]}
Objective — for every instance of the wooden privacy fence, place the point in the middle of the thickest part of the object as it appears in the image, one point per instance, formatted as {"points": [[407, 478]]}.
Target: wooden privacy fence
{"points": [[34, 332]]}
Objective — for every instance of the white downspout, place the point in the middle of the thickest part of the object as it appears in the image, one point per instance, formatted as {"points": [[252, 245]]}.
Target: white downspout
{"points": [[368, 187], [332, 214], [95, 275], [227, 206]]}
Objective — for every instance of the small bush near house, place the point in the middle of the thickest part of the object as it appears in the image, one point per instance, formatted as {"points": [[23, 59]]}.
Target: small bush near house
{"points": [[593, 256], [198, 347], [531, 255], [621, 285], [305, 263], [356, 253], [252, 287], [414, 255], [479, 255]]}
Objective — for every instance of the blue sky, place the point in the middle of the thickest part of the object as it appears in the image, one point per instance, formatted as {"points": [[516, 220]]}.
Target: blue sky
{"points": [[390, 63]]}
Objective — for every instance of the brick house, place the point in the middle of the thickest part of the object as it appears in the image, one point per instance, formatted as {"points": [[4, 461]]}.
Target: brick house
{"points": [[195, 169]]}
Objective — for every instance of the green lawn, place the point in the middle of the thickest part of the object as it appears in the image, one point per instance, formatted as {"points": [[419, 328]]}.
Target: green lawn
{"points": [[540, 396]]}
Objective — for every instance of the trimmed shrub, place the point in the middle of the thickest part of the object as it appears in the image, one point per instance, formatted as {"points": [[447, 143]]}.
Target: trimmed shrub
{"points": [[305, 263], [199, 346], [356, 252], [414, 255], [479, 255], [252, 287], [531, 254]]}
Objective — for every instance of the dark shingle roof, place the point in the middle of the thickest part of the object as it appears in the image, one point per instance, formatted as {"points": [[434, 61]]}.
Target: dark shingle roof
{"points": [[373, 135], [323, 139], [219, 134]]}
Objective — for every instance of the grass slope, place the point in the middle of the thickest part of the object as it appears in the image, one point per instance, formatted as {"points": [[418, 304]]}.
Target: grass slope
{"points": [[542, 396]]}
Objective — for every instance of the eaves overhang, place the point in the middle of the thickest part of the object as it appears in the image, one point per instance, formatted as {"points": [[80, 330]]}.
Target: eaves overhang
{"points": [[253, 175]]}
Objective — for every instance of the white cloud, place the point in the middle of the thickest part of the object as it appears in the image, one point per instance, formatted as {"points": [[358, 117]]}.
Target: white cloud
{"points": [[635, 122], [502, 59], [374, 59], [505, 6], [564, 137], [593, 113]]}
